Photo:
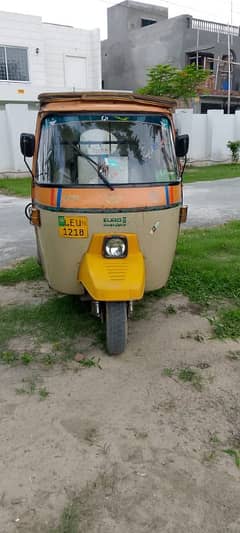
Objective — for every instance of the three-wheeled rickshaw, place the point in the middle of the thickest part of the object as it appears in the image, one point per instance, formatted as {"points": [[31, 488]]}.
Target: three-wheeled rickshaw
{"points": [[106, 198]]}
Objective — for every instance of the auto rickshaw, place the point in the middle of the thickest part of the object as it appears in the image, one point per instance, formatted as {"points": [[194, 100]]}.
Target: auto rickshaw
{"points": [[106, 198]]}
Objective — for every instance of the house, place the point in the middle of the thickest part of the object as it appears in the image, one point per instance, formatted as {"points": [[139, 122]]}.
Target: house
{"points": [[142, 35], [37, 57]]}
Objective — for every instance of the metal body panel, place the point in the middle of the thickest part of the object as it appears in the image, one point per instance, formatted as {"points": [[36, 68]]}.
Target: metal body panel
{"points": [[156, 230]]}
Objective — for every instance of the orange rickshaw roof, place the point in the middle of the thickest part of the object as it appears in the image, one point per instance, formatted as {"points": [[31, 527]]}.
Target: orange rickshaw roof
{"points": [[107, 96]]}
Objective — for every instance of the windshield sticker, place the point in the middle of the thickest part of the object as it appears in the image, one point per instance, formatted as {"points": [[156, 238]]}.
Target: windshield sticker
{"points": [[124, 119], [154, 118], [114, 222], [165, 122]]}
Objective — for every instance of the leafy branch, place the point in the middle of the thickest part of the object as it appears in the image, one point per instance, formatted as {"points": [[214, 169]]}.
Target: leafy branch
{"points": [[166, 80]]}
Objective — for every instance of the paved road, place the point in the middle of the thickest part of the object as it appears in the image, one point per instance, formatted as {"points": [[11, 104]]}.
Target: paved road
{"points": [[210, 203], [16, 234]]}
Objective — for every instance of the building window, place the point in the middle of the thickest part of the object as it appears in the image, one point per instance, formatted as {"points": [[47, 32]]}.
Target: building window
{"points": [[200, 59], [13, 63], [147, 22]]}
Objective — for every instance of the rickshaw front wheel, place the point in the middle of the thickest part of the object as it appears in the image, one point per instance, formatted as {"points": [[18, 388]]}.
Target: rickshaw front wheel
{"points": [[116, 327]]}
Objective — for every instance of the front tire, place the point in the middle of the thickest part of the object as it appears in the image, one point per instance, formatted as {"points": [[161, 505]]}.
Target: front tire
{"points": [[116, 327]]}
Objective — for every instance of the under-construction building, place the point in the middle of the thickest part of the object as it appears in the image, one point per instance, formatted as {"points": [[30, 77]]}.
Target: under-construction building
{"points": [[141, 36]]}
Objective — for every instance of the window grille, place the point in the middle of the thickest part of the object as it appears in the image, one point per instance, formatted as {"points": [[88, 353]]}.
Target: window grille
{"points": [[13, 63]]}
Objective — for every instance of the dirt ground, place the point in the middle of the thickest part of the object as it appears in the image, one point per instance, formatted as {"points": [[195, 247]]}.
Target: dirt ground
{"points": [[135, 448]]}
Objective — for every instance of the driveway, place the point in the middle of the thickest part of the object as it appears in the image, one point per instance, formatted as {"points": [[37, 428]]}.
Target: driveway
{"points": [[210, 203]]}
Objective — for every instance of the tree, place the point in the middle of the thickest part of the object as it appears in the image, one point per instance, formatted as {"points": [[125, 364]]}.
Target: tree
{"points": [[166, 80]]}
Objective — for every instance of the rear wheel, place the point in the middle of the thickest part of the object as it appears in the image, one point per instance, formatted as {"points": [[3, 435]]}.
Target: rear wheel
{"points": [[116, 327]]}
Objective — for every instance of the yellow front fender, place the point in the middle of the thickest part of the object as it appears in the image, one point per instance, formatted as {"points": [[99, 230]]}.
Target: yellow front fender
{"points": [[107, 279]]}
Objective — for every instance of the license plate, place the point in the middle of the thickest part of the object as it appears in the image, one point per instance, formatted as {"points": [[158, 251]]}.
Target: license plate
{"points": [[73, 227]]}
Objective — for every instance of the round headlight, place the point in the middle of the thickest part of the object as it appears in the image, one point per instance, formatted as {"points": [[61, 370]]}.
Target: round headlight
{"points": [[115, 247]]}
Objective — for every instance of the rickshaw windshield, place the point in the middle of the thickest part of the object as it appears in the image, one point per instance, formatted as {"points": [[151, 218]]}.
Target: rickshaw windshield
{"points": [[127, 149]]}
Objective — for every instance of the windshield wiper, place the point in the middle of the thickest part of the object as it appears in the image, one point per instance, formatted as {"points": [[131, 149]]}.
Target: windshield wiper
{"points": [[94, 165]]}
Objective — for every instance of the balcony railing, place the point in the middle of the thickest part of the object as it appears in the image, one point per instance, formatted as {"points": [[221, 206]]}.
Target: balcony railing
{"points": [[215, 27]]}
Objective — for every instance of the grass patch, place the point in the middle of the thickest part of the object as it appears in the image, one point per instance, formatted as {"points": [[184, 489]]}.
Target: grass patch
{"points": [[59, 320], [227, 324], [90, 362], [213, 172], [26, 358], [43, 393], [27, 270], [69, 521], [168, 372], [207, 270], [30, 387], [235, 454], [188, 375], [16, 186], [9, 357], [207, 265]]}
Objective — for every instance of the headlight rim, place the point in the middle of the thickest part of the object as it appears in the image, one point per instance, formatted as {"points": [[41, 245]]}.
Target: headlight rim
{"points": [[108, 238]]}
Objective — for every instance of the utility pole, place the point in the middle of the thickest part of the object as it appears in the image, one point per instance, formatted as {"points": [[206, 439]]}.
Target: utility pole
{"points": [[217, 71], [197, 48], [229, 75], [229, 61]]}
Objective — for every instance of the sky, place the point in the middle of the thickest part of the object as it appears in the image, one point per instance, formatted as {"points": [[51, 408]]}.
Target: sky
{"points": [[90, 14]]}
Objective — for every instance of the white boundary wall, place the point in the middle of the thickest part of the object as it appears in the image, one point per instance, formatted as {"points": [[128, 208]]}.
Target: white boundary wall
{"points": [[15, 118], [208, 134]]}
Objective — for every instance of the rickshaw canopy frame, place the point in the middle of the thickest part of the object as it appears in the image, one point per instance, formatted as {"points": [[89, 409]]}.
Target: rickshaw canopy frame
{"points": [[107, 96]]}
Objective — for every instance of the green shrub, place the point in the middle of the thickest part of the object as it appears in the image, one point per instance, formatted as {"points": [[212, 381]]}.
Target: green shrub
{"points": [[234, 146]]}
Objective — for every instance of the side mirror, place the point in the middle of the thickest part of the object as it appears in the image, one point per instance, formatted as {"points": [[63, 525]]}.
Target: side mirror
{"points": [[181, 145], [27, 144]]}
